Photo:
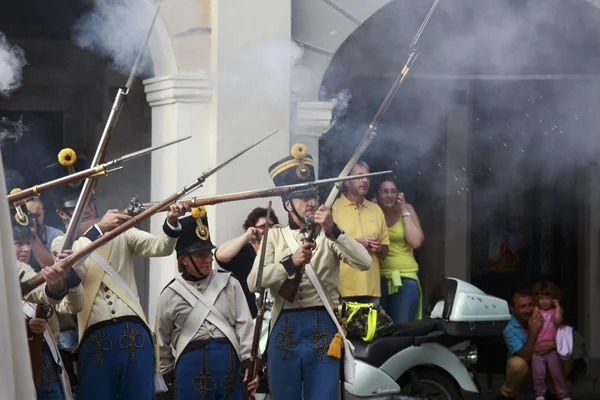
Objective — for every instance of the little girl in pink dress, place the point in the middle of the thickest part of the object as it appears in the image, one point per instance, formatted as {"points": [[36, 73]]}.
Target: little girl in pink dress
{"points": [[546, 296]]}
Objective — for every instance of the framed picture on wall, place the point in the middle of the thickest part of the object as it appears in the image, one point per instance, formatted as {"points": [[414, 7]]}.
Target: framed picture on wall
{"points": [[505, 245]]}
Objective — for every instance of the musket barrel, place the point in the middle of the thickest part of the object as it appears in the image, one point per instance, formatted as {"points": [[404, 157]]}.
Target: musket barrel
{"points": [[289, 288], [254, 362], [89, 183], [103, 169], [88, 186], [163, 206], [37, 280], [37, 189], [255, 194]]}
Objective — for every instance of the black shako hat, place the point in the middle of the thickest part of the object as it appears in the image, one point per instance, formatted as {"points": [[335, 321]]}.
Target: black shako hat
{"points": [[195, 235], [296, 168], [64, 196], [20, 219]]}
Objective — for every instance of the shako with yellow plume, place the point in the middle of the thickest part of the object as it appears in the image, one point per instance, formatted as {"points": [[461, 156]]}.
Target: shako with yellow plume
{"points": [[195, 234], [20, 212], [296, 168], [64, 196], [20, 216]]}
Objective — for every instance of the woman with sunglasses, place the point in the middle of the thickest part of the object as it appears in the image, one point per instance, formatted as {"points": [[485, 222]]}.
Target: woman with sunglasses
{"points": [[237, 255]]}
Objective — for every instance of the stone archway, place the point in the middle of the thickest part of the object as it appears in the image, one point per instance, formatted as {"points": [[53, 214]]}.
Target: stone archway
{"points": [[457, 252]]}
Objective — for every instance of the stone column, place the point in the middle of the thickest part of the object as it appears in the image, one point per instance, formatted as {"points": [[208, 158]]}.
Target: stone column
{"points": [[181, 106], [458, 129], [241, 94], [312, 120], [251, 58]]}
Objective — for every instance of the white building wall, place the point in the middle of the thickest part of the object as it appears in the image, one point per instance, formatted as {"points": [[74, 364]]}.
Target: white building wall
{"points": [[221, 117], [192, 94]]}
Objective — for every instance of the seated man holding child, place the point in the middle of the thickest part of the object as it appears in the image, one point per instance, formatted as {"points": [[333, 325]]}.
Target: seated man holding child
{"points": [[521, 338]]}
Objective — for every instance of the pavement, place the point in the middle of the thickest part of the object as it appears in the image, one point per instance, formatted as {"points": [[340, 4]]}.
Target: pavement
{"points": [[584, 390]]}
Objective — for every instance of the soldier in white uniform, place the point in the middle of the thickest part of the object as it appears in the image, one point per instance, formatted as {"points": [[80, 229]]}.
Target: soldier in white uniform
{"points": [[203, 322], [62, 293], [298, 362], [118, 356]]}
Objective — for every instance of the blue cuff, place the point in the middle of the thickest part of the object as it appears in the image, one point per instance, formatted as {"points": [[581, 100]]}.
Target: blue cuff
{"points": [[289, 265], [55, 296], [169, 231], [72, 280], [244, 365], [335, 232], [93, 233]]}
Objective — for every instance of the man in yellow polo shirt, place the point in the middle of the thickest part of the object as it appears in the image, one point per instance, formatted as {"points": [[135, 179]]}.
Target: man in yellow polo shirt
{"points": [[364, 221]]}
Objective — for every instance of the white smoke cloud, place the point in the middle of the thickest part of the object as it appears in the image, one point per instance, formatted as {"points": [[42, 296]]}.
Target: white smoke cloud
{"points": [[264, 69], [12, 60], [116, 29], [11, 130], [341, 102]]}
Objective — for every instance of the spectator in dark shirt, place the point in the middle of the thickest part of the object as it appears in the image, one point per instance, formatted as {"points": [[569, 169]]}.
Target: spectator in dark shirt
{"points": [[43, 235], [237, 255]]}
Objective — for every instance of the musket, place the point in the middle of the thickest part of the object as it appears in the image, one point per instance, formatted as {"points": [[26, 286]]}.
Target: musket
{"points": [[136, 208], [35, 347], [101, 170], [65, 263], [289, 288], [254, 361], [88, 186]]}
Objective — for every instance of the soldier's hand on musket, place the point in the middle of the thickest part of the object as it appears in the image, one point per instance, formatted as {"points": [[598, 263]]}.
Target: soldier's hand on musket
{"points": [[176, 210], [111, 220], [302, 255], [38, 325], [324, 217], [62, 255], [55, 278], [252, 386], [58, 257]]}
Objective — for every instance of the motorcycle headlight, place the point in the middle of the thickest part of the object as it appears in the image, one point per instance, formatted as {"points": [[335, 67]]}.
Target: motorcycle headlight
{"points": [[468, 356]]}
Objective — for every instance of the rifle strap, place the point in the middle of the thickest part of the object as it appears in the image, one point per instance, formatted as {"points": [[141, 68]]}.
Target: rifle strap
{"points": [[100, 271], [91, 285], [203, 309], [349, 363]]}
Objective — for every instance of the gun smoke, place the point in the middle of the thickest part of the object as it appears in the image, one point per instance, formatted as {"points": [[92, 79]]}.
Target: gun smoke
{"points": [[116, 29], [12, 60], [498, 55], [11, 130]]}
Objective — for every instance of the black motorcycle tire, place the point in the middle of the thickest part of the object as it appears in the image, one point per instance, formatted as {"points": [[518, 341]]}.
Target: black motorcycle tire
{"points": [[429, 377]]}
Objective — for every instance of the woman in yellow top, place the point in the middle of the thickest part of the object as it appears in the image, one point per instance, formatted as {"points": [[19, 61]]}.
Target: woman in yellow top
{"points": [[400, 288]]}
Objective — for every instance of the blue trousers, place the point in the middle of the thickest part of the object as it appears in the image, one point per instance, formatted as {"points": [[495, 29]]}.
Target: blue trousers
{"points": [[297, 361], [50, 388], [400, 306], [116, 361], [211, 372]]}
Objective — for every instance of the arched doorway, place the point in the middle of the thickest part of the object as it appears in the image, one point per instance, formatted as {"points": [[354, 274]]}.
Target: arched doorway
{"points": [[495, 124]]}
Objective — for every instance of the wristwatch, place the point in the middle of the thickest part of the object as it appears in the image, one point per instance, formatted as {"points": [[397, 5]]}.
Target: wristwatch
{"points": [[406, 214]]}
